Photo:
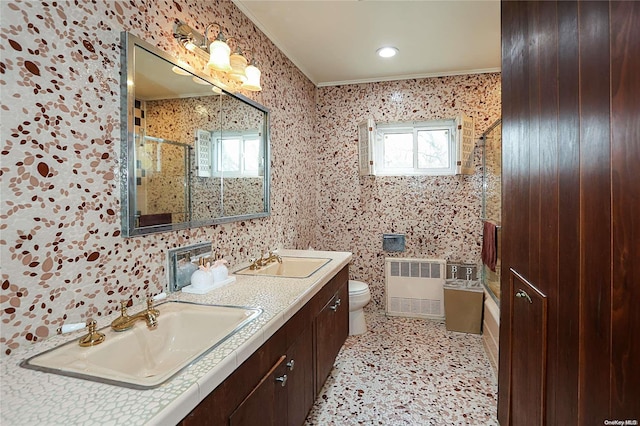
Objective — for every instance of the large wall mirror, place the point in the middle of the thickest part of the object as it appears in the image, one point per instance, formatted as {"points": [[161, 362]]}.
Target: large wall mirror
{"points": [[192, 153]]}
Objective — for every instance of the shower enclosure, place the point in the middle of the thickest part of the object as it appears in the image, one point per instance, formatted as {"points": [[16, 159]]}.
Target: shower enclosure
{"points": [[491, 212], [492, 199]]}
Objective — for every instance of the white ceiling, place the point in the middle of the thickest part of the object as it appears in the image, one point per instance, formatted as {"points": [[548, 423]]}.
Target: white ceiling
{"points": [[335, 42]]}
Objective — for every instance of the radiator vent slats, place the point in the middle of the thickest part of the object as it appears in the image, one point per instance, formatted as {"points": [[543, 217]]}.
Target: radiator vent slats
{"points": [[422, 269], [414, 287]]}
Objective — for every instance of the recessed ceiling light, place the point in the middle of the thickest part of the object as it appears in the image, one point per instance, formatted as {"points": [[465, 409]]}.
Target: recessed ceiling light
{"points": [[387, 52]]}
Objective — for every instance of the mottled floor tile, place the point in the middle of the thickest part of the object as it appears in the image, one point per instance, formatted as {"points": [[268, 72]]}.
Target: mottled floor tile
{"points": [[407, 371]]}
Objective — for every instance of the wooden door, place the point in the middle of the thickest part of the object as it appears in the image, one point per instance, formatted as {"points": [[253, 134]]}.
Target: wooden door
{"points": [[571, 210]]}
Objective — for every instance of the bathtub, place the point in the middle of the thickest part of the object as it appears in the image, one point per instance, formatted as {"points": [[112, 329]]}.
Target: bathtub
{"points": [[490, 329]]}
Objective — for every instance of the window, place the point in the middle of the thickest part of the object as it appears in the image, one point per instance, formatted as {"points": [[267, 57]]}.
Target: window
{"points": [[237, 155], [426, 148]]}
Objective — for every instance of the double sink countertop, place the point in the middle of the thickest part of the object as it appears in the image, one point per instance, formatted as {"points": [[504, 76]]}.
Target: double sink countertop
{"points": [[33, 397]]}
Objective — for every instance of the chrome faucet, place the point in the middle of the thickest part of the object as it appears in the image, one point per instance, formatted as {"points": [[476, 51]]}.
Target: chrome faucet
{"points": [[125, 322]]}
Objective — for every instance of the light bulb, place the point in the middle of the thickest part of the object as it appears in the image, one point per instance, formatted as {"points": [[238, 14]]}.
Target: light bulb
{"points": [[219, 52], [387, 52], [238, 67], [253, 79]]}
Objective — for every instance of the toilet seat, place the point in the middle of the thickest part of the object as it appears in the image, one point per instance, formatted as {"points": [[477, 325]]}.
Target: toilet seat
{"points": [[357, 288]]}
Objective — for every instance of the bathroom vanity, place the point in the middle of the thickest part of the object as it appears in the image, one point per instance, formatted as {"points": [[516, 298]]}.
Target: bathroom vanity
{"points": [[279, 382], [237, 382]]}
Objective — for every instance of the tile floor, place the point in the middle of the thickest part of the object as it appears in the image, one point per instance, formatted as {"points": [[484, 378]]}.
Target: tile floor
{"points": [[407, 371]]}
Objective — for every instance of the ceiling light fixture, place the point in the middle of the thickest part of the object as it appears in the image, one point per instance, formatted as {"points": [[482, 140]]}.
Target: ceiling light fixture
{"points": [[235, 66], [387, 51]]}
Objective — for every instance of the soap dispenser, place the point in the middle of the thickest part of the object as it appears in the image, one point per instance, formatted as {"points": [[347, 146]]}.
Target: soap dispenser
{"points": [[220, 270], [202, 277]]}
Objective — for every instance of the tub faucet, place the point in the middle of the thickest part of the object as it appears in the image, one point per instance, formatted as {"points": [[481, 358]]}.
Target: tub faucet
{"points": [[125, 322]]}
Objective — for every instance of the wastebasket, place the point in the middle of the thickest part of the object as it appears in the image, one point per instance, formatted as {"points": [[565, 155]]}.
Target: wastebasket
{"points": [[463, 301]]}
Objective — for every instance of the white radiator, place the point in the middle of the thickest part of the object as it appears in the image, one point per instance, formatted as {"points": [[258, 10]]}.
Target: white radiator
{"points": [[414, 287]]}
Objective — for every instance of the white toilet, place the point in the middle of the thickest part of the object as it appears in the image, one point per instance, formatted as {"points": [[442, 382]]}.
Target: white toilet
{"points": [[359, 296]]}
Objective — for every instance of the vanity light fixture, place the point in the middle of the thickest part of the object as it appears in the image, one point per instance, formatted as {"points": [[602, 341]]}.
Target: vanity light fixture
{"points": [[239, 65], [179, 71], [219, 50], [218, 54], [387, 51], [253, 77], [200, 81]]}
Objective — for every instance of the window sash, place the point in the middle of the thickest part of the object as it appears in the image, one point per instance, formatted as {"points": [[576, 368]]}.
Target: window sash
{"points": [[386, 132], [247, 145]]}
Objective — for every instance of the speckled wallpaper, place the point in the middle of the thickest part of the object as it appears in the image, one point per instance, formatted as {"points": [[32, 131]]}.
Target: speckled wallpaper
{"points": [[62, 256], [61, 253], [440, 215]]}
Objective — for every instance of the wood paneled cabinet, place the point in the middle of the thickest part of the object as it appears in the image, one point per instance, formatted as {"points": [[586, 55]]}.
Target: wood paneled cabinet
{"points": [[332, 328], [277, 385], [267, 402]]}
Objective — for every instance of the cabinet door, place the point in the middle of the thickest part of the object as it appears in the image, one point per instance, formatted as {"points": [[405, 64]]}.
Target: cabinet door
{"points": [[299, 364], [267, 402], [332, 328], [529, 348]]}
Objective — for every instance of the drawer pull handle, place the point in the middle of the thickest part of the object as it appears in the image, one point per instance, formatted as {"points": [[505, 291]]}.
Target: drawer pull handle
{"points": [[334, 307], [282, 379], [291, 364], [521, 293]]}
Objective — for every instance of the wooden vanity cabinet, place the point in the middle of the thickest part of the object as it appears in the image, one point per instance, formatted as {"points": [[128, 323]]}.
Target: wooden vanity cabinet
{"points": [[332, 328], [267, 402], [300, 386], [278, 383]]}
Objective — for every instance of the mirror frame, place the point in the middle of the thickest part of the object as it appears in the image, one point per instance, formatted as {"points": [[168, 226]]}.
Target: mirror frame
{"points": [[127, 146]]}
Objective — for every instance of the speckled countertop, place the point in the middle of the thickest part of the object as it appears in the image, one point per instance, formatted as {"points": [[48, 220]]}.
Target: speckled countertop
{"points": [[32, 397]]}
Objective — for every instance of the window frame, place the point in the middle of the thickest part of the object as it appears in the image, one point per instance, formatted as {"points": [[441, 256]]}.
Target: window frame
{"points": [[217, 141], [413, 128]]}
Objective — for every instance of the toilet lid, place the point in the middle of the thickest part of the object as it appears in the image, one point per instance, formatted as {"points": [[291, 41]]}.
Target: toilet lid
{"points": [[357, 287]]}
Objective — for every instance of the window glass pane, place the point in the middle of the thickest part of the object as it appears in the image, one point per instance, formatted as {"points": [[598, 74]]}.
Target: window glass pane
{"points": [[229, 160], [433, 149], [251, 155], [398, 150]]}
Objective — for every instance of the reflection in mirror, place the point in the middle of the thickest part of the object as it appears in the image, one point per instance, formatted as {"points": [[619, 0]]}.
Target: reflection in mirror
{"points": [[240, 158], [162, 195], [193, 154]]}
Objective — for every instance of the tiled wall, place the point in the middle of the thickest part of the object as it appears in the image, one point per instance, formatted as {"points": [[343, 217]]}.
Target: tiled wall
{"points": [[62, 255], [63, 258], [439, 215]]}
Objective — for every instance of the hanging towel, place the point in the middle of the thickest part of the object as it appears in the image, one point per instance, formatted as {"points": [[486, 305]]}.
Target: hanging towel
{"points": [[489, 245]]}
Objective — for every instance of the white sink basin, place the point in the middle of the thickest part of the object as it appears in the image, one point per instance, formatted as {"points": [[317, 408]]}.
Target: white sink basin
{"points": [[142, 358], [291, 267]]}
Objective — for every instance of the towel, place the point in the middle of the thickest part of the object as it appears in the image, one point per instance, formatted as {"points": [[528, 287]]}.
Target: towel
{"points": [[489, 245]]}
